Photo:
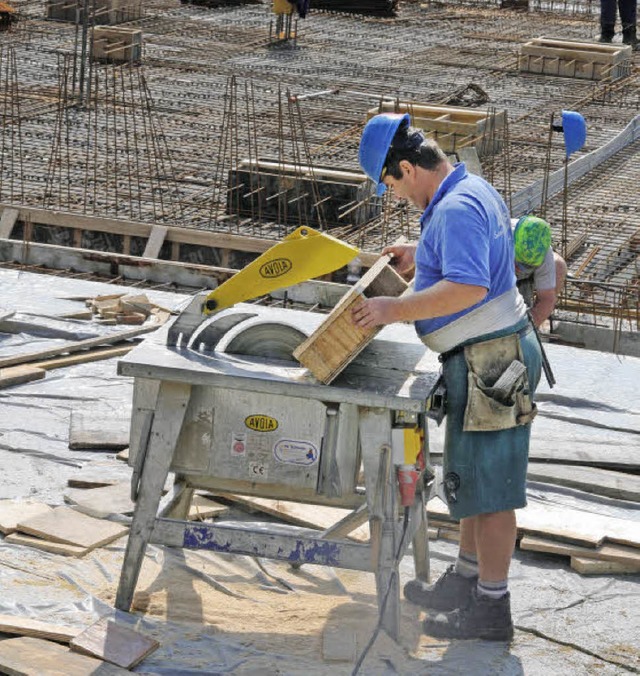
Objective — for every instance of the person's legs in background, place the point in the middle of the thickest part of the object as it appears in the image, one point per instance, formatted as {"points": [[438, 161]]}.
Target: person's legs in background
{"points": [[607, 20], [628, 13]]}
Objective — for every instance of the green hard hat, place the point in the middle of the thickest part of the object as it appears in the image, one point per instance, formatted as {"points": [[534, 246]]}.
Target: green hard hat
{"points": [[532, 239]]}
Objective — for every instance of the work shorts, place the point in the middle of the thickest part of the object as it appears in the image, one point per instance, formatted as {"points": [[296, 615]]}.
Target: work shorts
{"points": [[485, 472]]}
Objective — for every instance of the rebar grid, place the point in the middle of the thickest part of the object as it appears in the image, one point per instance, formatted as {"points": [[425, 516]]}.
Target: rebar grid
{"points": [[159, 154]]}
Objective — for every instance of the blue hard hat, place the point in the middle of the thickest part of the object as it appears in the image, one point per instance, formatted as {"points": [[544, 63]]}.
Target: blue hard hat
{"points": [[375, 142], [575, 131]]}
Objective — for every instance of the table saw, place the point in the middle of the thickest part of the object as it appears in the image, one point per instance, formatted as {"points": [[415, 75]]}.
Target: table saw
{"points": [[226, 408]]}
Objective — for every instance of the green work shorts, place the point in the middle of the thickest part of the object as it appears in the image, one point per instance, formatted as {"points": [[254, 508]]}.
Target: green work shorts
{"points": [[485, 472]]}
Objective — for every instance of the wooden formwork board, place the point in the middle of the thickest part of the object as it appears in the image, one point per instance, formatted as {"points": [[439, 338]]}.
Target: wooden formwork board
{"points": [[584, 60], [451, 126], [338, 340], [117, 44]]}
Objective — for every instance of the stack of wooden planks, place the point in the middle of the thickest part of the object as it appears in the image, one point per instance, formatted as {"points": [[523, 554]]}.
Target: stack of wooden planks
{"points": [[106, 647], [121, 308]]}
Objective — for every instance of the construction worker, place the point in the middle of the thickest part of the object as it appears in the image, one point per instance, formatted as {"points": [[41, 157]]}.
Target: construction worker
{"points": [[540, 271], [466, 306]]}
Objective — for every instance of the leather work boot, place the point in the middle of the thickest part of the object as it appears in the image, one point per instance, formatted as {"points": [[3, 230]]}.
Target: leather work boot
{"points": [[448, 592], [484, 618], [607, 31]]}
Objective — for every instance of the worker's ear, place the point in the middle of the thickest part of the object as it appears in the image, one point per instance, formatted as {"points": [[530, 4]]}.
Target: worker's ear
{"points": [[406, 167]]}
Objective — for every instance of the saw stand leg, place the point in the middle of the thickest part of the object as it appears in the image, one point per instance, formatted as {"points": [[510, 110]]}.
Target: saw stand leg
{"points": [[169, 415], [382, 501]]}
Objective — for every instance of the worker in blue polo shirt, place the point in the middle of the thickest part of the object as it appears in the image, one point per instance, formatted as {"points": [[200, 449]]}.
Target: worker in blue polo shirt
{"points": [[466, 306]]}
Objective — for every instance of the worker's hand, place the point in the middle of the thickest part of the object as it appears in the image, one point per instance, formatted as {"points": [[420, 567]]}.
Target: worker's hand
{"points": [[403, 258], [375, 312]]}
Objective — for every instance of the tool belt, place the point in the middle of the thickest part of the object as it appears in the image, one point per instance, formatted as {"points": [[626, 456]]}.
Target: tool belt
{"points": [[490, 408], [498, 396]]}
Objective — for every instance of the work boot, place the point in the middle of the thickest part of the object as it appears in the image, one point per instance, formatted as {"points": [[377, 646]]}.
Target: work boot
{"points": [[607, 31], [484, 618], [450, 591], [629, 37]]}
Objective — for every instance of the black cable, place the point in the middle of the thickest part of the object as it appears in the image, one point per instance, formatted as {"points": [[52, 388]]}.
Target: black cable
{"points": [[385, 598]]}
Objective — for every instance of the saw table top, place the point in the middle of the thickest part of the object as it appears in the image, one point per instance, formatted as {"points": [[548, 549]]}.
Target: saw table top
{"points": [[395, 371]]}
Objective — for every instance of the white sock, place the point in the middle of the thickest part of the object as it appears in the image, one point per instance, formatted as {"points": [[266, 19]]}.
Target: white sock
{"points": [[495, 590], [466, 564]]}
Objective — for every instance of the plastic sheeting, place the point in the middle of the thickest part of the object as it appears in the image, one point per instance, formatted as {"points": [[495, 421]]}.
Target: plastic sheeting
{"points": [[216, 614]]}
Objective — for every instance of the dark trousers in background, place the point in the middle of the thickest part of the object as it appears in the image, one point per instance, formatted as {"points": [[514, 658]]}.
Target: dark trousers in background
{"points": [[627, 9]]}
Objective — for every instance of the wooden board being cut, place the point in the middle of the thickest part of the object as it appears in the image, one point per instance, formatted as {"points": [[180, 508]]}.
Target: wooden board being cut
{"points": [[203, 508], [115, 643], [308, 516], [24, 626], [338, 340], [26, 656], [96, 429], [46, 545], [12, 511], [69, 527]]}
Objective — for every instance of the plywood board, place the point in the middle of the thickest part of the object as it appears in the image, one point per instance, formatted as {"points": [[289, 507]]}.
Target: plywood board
{"points": [[590, 479], [617, 553], [69, 527], [308, 516], [12, 511], [46, 545], [115, 643], [26, 656], [204, 508], [99, 429], [101, 502], [564, 524], [25, 626], [586, 566]]}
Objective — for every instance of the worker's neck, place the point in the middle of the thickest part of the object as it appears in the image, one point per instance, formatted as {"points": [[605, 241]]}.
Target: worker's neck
{"points": [[431, 179]]}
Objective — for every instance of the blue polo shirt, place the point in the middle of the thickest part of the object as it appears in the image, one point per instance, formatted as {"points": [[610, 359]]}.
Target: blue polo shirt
{"points": [[465, 238]]}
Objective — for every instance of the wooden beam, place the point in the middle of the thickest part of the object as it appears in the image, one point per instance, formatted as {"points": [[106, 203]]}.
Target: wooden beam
{"points": [[7, 221], [155, 241]]}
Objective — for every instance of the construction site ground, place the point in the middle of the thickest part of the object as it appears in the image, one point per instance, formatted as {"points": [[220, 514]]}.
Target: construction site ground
{"points": [[155, 143], [217, 614]]}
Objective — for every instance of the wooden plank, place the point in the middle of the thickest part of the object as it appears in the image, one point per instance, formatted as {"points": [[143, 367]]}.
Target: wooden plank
{"points": [[307, 516], [7, 221], [203, 508], [27, 656], [98, 429], [70, 527], [590, 479], [155, 241], [102, 502], [46, 545], [338, 340], [76, 346], [578, 55], [16, 375], [12, 511], [85, 357], [586, 566], [606, 552], [25, 626], [115, 643]]}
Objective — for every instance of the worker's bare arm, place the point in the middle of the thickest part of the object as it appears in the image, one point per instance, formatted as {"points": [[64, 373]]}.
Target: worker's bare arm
{"points": [[543, 306], [443, 298], [403, 258]]}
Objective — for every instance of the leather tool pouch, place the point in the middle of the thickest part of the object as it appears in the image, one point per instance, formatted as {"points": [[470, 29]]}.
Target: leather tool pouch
{"points": [[498, 396], [437, 401]]}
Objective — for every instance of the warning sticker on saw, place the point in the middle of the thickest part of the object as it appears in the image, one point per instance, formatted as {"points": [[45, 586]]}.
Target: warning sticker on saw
{"points": [[293, 452]]}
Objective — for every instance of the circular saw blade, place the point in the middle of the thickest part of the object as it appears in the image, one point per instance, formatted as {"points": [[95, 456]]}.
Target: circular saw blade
{"points": [[269, 340]]}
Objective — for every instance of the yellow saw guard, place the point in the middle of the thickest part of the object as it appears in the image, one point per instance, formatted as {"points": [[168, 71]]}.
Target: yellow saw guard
{"points": [[302, 255]]}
